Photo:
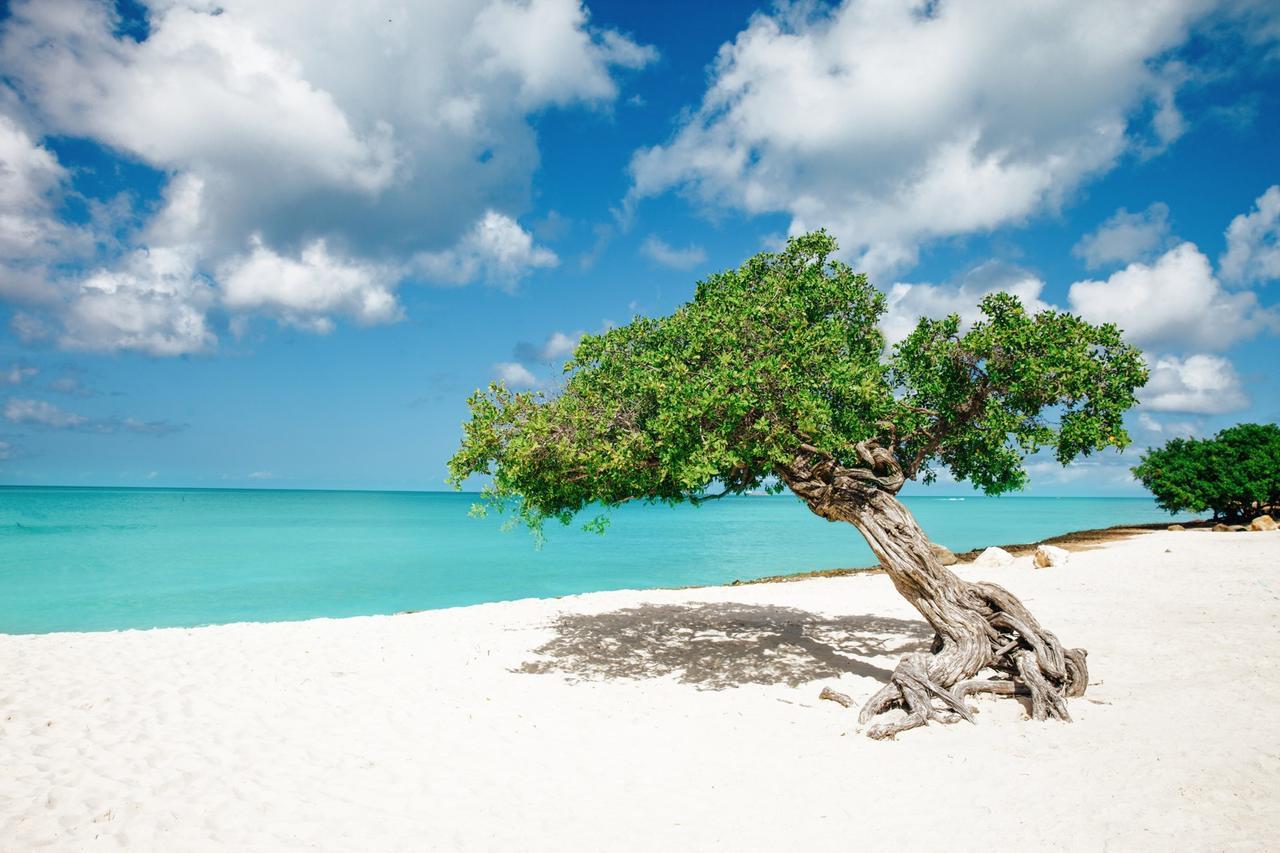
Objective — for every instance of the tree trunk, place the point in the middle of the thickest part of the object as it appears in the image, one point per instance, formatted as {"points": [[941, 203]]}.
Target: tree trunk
{"points": [[977, 625]]}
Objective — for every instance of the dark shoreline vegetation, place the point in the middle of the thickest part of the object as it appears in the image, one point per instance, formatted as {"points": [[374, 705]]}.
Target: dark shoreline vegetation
{"points": [[1077, 540]]}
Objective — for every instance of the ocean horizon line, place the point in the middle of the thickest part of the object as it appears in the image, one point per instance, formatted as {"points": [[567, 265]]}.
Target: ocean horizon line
{"points": [[302, 489]]}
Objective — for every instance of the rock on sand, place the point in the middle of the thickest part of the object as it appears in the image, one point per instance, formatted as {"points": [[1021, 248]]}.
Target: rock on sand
{"points": [[1049, 555], [994, 557]]}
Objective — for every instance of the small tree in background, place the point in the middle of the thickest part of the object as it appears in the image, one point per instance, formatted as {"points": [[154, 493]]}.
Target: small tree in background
{"points": [[776, 376], [1235, 474]]}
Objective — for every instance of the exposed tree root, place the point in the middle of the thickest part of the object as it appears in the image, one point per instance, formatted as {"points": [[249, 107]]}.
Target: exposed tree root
{"points": [[931, 687]]}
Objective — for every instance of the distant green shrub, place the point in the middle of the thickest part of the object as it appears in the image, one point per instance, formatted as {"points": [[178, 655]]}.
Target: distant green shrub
{"points": [[1235, 474]]}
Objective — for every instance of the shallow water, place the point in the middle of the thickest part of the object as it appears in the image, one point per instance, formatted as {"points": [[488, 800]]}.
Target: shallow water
{"points": [[94, 559]]}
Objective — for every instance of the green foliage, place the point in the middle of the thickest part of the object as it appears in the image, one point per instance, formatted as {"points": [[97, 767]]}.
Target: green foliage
{"points": [[784, 352], [1232, 474], [978, 403]]}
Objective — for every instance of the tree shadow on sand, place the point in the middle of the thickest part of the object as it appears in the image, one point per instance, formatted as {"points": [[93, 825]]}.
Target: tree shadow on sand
{"points": [[718, 645]]}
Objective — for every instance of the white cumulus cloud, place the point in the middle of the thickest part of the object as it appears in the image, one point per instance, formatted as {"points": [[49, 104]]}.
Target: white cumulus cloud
{"points": [[1253, 242], [896, 123], [305, 290], [201, 89], [32, 237], [327, 141], [374, 120], [496, 250], [544, 44], [515, 374], [1175, 301], [154, 302], [907, 303], [558, 346], [30, 181], [151, 299], [1198, 384], [1125, 237]]}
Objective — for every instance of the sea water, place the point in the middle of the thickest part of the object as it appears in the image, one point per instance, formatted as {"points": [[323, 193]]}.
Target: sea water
{"points": [[97, 559]]}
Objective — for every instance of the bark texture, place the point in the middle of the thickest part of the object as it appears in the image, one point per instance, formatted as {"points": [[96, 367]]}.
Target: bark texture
{"points": [[978, 626]]}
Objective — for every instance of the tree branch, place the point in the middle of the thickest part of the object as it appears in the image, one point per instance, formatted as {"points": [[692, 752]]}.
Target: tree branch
{"points": [[698, 500]]}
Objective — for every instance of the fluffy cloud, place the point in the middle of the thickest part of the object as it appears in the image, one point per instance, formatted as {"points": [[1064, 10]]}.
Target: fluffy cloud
{"points": [[379, 122], [45, 414], [515, 374], [894, 123], [545, 45], [558, 346], [30, 180], [907, 303], [1198, 384], [303, 291], [32, 237], [325, 142], [662, 253], [496, 250], [39, 412], [154, 302], [1125, 237], [152, 299], [1176, 301], [155, 99], [1253, 242]]}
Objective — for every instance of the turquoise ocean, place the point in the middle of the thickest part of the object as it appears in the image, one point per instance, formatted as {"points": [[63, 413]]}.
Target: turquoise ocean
{"points": [[76, 559]]}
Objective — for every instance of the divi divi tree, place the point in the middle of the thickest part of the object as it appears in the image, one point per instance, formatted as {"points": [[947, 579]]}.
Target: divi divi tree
{"points": [[776, 376]]}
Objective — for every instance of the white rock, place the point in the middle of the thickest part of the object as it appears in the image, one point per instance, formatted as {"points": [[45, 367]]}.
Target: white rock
{"points": [[994, 557], [1049, 555]]}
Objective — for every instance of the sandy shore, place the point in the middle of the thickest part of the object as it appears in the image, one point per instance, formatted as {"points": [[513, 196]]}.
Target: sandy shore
{"points": [[663, 720]]}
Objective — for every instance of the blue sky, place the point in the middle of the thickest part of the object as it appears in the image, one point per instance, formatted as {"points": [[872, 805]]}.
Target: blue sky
{"points": [[278, 244]]}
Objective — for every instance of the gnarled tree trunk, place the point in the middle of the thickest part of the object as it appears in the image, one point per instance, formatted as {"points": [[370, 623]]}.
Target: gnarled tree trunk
{"points": [[977, 625]]}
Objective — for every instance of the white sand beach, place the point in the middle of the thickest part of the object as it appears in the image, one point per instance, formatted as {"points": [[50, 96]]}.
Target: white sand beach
{"points": [[661, 720]]}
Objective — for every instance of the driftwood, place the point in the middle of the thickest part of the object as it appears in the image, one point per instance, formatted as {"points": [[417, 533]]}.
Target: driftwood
{"points": [[838, 698]]}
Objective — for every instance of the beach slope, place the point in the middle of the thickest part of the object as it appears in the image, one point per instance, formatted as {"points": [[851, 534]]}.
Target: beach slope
{"points": [[661, 720]]}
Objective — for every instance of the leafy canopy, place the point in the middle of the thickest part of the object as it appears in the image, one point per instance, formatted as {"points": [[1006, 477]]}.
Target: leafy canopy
{"points": [[1231, 474], [785, 353]]}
